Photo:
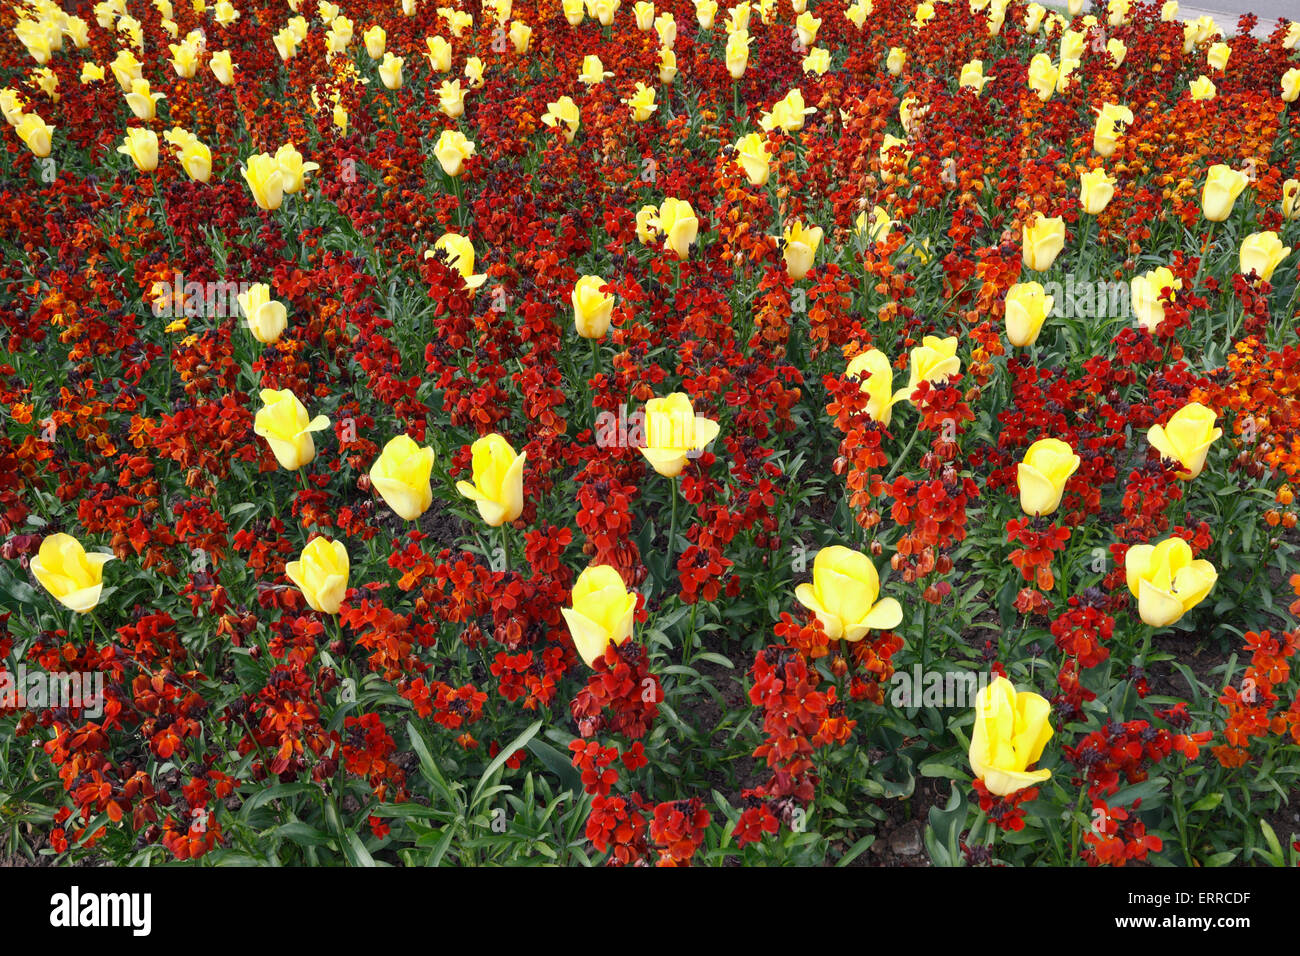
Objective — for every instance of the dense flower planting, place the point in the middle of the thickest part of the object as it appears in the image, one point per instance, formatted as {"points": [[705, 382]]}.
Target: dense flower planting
{"points": [[641, 434]]}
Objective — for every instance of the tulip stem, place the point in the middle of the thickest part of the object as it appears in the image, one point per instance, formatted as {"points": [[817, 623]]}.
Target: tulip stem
{"points": [[902, 457], [1083, 244], [595, 357], [672, 527], [505, 546]]}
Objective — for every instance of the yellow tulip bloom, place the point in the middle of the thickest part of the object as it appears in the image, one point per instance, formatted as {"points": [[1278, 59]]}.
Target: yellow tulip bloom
{"points": [[603, 612], [1186, 438], [872, 368], [452, 149], [1011, 730], [321, 574], [1042, 240], [674, 434], [1041, 477], [1111, 121], [677, 223], [142, 146], [1146, 297], [592, 309], [265, 180], [1028, 306], [36, 134], [401, 476], [498, 486], [266, 317], [934, 360], [1096, 190], [1166, 581], [564, 114], [845, 595], [753, 157], [74, 577], [283, 422], [641, 103], [1261, 253], [460, 252], [1223, 185], [800, 249]]}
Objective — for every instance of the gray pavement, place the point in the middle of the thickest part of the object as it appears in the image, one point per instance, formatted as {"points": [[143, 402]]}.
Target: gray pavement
{"points": [[1226, 12]]}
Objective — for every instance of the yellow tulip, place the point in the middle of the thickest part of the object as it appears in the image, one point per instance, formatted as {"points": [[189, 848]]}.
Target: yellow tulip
{"points": [[439, 54], [142, 146], [451, 99], [1117, 49], [36, 134], [460, 252], [872, 368], [924, 14], [592, 309], [1028, 306], [674, 434], [1202, 88], [806, 27], [142, 102], [972, 76], [1096, 189], [667, 65], [845, 595], [646, 218], [185, 60], [126, 69], [286, 44], [92, 73], [321, 574], [644, 11], [1261, 253], [564, 114], [265, 180], [1186, 438], [222, 68], [1042, 240], [1146, 299], [641, 103], [474, 72], [1111, 121], [574, 11], [1041, 477], [498, 486], [817, 62], [737, 54], [800, 249], [677, 223], [1166, 581], [283, 422], [1223, 185], [603, 11], [753, 156], [878, 227], [705, 11], [1169, 11], [1291, 39], [390, 71], [74, 577], [895, 61], [934, 360], [1218, 55], [225, 13], [376, 41], [1034, 14], [593, 71], [1291, 199], [1291, 85], [1010, 732], [452, 149], [787, 113], [1042, 76], [401, 476], [520, 34], [267, 318], [857, 12], [603, 612]]}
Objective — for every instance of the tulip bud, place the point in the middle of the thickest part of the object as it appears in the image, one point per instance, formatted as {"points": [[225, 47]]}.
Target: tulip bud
{"points": [[844, 595], [321, 574], [74, 577]]}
